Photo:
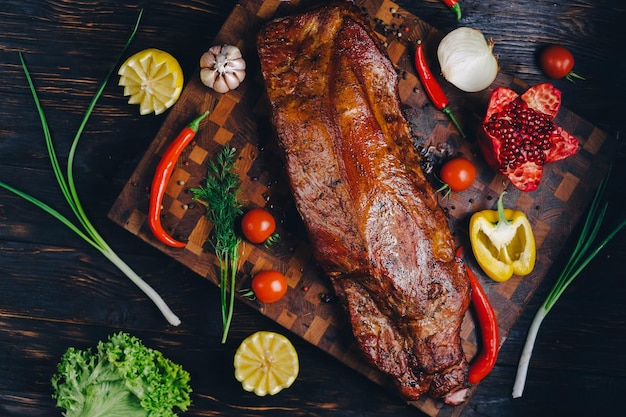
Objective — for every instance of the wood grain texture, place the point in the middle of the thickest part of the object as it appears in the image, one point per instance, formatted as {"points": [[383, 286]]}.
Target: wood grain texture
{"points": [[56, 291]]}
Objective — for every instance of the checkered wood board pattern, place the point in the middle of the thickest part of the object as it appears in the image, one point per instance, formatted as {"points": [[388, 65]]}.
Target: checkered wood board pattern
{"points": [[241, 118]]}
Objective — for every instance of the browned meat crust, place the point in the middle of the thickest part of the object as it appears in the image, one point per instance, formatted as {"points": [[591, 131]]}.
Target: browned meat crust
{"points": [[373, 218]]}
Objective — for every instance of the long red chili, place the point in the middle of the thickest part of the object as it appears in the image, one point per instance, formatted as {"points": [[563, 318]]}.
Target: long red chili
{"points": [[454, 6], [432, 87], [486, 359], [162, 176]]}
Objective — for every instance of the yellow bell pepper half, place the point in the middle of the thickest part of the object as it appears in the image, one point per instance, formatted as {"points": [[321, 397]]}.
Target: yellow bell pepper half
{"points": [[503, 242]]}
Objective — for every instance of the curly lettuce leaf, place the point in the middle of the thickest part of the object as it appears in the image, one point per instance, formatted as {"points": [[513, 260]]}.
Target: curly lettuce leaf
{"points": [[122, 377]]}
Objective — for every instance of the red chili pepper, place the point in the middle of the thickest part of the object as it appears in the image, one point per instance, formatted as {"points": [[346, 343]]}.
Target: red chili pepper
{"points": [[486, 359], [162, 176], [432, 87], [454, 6]]}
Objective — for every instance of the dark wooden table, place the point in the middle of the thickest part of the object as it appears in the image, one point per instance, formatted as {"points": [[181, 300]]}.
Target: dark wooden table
{"points": [[56, 291]]}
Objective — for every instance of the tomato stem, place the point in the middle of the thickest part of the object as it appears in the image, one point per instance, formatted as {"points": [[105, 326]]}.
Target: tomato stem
{"points": [[572, 75]]}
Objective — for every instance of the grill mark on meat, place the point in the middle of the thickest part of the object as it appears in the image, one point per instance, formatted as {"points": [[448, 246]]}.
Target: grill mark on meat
{"points": [[374, 221]]}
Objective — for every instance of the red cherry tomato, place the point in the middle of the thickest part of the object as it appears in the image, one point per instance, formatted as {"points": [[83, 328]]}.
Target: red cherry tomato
{"points": [[458, 173], [257, 225], [269, 286], [556, 61]]}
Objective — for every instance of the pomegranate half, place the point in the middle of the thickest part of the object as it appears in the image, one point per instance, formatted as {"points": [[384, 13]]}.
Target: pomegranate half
{"points": [[518, 135]]}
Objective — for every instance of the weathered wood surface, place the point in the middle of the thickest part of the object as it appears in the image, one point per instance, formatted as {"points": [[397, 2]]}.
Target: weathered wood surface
{"points": [[56, 291]]}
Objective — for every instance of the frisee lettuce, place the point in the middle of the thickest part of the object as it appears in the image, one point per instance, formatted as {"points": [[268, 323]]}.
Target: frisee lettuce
{"points": [[122, 377]]}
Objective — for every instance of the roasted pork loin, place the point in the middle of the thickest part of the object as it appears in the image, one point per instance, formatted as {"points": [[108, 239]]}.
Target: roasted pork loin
{"points": [[372, 217]]}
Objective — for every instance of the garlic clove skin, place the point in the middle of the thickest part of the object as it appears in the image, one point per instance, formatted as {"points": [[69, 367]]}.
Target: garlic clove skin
{"points": [[231, 52], [207, 60], [467, 60], [236, 64], [208, 77], [222, 68], [234, 78], [220, 85]]}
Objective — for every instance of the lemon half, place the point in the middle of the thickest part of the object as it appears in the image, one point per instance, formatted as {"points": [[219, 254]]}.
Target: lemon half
{"points": [[266, 363], [153, 79]]}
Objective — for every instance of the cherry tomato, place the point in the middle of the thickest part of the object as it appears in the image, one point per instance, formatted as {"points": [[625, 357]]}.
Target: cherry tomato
{"points": [[257, 225], [269, 286], [556, 61], [458, 174]]}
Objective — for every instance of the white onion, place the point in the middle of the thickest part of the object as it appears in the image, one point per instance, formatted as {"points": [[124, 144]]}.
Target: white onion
{"points": [[467, 60]]}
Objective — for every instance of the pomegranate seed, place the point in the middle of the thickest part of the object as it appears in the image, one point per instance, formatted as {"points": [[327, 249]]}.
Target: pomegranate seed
{"points": [[524, 132]]}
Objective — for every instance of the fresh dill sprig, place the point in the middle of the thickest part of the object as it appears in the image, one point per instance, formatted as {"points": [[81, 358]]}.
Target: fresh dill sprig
{"points": [[220, 194]]}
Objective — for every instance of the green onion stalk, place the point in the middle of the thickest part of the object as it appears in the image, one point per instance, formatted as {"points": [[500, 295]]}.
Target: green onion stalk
{"points": [[85, 229], [584, 252]]}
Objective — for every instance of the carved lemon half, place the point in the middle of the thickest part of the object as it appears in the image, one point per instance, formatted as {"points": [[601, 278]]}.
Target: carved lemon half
{"points": [[153, 79], [266, 363]]}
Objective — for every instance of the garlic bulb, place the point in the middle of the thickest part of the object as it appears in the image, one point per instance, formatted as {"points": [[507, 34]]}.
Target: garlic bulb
{"points": [[222, 68], [467, 60]]}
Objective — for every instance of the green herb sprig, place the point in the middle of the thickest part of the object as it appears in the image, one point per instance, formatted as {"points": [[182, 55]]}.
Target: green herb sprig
{"points": [[85, 229], [220, 194], [584, 252]]}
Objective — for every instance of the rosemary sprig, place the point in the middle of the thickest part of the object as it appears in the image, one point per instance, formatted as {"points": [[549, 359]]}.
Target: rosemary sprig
{"points": [[220, 194], [584, 252], [85, 229]]}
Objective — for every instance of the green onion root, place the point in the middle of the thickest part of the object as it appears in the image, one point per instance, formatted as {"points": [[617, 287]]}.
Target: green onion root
{"points": [[143, 286], [522, 367]]}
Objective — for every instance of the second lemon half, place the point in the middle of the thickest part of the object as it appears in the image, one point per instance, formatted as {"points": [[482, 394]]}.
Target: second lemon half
{"points": [[266, 363]]}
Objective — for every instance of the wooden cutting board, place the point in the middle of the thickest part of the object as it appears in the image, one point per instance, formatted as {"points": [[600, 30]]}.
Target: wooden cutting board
{"points": [[241, 118]]}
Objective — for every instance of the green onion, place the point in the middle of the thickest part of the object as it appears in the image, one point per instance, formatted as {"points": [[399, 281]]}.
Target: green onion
{"points": [[220, 195], [583, 253], [85, 229]]}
